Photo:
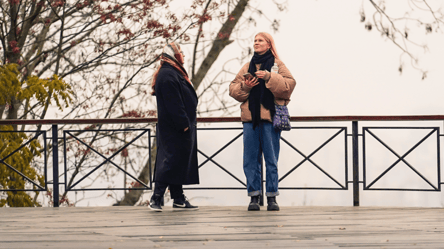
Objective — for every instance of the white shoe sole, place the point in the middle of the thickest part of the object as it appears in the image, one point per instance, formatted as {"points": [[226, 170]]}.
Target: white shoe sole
{"points": [[155, 210]]}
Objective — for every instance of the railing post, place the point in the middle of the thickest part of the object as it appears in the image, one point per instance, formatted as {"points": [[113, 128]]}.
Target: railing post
{"points": [[355, 144], [55, 165]]}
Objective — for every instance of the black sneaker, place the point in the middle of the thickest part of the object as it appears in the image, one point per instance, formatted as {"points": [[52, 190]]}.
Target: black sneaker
{"points": [[155, 204], [272, 204], [254, 204], [182, 203]]}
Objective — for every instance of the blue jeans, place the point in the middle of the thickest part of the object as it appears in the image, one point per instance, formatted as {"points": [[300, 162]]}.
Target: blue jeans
{"points": [[262, 140]]}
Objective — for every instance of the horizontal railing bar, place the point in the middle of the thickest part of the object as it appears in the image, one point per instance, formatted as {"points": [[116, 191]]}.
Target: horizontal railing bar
{"points": [[96, 189], [401, 128], [23, 190], [402, 189], [76, 121], [311, 188], [215, 188], [27, 131], [108, 130], [221, 119], [369, 118], [219, 128]]}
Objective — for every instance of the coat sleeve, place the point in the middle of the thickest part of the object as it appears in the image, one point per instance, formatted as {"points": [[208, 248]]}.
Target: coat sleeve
{"points": [[281, 84], [168, 88], [238, 90]]}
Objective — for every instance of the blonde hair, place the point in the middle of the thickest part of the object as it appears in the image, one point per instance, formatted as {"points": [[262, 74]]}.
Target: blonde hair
{"points": [[270, 41]]}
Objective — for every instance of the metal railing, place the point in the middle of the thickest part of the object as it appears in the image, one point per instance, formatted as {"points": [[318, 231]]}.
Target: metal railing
{"points": [[366, 134], [71, 134]]}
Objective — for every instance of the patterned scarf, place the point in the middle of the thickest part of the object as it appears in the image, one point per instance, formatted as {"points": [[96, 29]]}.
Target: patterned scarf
{"points": [[260, 94], [172, 56]]}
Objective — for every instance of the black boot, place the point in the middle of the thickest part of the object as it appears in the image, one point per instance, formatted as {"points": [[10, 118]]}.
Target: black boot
{"points": [[272, 204], [254, 204]]}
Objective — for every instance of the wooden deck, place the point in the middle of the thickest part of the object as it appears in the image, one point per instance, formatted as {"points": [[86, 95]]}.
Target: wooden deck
{"points": [[222, 227]]}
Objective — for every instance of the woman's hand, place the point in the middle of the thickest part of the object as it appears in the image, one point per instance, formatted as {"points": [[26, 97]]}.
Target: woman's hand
{"points": [[251, 82], [186, 129], [263, 74]]}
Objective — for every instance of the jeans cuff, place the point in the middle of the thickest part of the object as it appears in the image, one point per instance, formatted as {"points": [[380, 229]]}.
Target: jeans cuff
{"points": [[254, 193], [272, 194]]}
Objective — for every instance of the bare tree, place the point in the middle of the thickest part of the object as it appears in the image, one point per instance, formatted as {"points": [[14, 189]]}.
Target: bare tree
{"points": [[105, 50], [406, 27]]}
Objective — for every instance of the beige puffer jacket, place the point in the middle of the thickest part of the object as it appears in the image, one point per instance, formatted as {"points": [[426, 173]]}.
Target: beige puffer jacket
{"points": [[281, 85]]}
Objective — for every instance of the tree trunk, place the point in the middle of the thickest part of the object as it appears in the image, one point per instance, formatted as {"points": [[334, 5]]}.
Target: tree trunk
{"points": [[13, 111], [221, 41], [2, 109], [133, 196]]}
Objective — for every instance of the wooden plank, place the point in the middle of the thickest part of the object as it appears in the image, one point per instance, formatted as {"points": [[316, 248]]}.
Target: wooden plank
{"points": [[222, 227]]}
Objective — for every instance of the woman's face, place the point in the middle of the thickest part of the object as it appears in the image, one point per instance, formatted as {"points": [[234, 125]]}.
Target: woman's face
{"points": [[260, 45], [181, 53], [181, 56]]}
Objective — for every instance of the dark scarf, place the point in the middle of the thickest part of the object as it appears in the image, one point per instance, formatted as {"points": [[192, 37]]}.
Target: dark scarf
{"points": [[260, 94]]}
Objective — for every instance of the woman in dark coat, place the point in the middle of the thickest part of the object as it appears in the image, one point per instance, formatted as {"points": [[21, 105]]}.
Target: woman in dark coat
{"points": [[176, 161]]}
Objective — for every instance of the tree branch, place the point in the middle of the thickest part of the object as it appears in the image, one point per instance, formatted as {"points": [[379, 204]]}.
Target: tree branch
{"points": [[196, 43], [221, 41]]}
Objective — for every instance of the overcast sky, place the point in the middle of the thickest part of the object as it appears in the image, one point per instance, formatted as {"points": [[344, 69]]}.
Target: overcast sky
{"points": [[343, 69]]}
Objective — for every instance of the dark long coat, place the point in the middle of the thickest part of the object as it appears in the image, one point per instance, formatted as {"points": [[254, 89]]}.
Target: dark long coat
{"points": [[176, 161]]}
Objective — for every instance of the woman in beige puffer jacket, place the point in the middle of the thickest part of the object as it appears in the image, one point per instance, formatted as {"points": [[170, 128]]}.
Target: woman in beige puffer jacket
{"points": [[258, 95]]}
